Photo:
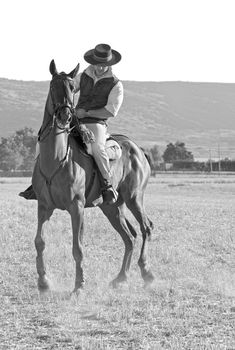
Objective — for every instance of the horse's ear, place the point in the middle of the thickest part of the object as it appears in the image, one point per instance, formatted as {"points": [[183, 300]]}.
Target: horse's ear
{"points": [[74, 72], [52, 68]]}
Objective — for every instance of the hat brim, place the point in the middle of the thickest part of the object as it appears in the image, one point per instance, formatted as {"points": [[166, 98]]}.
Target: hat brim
{"points": [[89, 57]]}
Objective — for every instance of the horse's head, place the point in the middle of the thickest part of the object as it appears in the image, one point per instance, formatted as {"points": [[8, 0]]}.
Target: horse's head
{"points": [[61, 92]]}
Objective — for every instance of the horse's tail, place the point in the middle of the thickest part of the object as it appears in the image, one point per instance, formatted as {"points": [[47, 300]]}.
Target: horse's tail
{"points": [[148, 157]]}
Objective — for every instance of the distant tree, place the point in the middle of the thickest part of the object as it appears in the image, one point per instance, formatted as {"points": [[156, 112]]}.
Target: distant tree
{"points": [[156, 154], [17, 151], [10, 159], [177, 151]]}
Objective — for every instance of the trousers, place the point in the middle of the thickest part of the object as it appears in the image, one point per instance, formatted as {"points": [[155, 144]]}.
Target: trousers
{"points": [[97, 148]]}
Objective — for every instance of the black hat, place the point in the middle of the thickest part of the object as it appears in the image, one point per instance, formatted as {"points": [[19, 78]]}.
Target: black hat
{"points": [[102, 53]]}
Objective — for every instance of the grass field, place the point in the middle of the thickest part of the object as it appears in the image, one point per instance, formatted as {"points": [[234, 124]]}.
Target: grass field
{"points": [[191, 304]]}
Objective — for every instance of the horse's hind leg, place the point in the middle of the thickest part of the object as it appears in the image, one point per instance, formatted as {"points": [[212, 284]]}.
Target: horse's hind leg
{"points": [[135, 205], [43, 217], [116, 216]]}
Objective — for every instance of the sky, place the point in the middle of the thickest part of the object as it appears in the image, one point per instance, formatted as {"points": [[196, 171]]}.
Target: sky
{"points": [[159, 40]]}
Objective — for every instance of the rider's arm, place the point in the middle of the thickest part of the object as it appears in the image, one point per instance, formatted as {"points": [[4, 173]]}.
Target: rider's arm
{"points": [[115, 99]]}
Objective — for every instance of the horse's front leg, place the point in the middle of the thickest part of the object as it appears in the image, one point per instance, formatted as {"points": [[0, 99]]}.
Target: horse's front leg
{"points": [[44, 215], [77, 217]]}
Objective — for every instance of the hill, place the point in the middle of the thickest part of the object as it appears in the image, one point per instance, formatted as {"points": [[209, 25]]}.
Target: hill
{"points": [[199, 114]]}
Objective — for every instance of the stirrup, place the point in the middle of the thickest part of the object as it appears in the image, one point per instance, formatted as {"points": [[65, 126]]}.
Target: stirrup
{"points": [[109, 194], [28, 193]]}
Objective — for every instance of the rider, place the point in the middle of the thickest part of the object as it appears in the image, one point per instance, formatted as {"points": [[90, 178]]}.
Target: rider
{"points": [[101, 96]]}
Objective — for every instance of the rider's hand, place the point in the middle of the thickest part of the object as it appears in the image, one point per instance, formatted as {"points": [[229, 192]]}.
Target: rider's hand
{"points": [[80, 113], [87, 134]]}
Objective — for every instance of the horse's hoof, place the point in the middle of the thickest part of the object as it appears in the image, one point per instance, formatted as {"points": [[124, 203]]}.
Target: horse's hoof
{"points": [[118, 281], [113, 284], [76, 292], [78, 289], [43, 284], [148, 279]]}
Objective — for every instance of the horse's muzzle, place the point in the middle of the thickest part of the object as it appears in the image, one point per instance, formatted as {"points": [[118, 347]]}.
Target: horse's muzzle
{"points": [[64, 115]]}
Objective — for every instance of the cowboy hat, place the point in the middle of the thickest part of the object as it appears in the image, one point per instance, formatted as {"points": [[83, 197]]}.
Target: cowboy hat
{"points": [[102, 53]]}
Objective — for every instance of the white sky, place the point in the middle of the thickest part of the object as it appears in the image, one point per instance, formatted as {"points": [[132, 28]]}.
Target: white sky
{"points": [[160, 40]]}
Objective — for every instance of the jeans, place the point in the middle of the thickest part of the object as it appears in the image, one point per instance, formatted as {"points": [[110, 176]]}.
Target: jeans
{"points": [[97, 149]]}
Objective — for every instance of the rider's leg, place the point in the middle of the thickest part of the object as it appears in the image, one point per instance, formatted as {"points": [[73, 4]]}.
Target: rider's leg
{"points": [[101, 158]]}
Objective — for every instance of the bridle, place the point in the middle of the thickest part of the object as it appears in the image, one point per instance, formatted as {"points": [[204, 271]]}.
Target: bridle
{"points": [[57, 109]]}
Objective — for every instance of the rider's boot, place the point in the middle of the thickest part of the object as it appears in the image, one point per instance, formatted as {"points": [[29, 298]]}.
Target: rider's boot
{"points": [[109, 194], [28, 193]]}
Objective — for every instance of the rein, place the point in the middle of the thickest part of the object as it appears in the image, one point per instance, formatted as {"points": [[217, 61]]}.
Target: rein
{"points": [[57, 108], [54, 121]]}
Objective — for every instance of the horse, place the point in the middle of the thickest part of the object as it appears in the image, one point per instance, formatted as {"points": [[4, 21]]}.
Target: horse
{"points": [[65, 177]]}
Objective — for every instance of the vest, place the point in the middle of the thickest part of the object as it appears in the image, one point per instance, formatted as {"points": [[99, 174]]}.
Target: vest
{"points": [[94, 96]]}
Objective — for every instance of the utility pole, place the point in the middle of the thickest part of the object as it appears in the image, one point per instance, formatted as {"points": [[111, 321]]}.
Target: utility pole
{"points": [[219, 157], [210, 160], [219, 162]]}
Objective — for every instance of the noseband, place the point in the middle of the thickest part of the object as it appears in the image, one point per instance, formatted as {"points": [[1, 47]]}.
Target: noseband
{"points": [[56, 120]]}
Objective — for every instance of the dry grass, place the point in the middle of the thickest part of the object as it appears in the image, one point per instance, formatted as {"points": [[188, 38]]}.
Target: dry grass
{"points": [[191, 305]]}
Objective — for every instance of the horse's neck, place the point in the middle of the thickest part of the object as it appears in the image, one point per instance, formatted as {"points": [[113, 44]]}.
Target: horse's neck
{"points": [[53, 148]]}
